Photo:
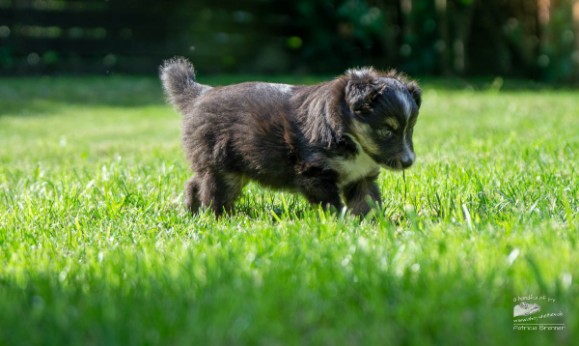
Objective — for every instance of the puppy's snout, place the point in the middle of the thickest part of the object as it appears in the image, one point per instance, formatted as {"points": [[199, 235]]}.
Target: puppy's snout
{"points": [[407, 159], [406, 162]]}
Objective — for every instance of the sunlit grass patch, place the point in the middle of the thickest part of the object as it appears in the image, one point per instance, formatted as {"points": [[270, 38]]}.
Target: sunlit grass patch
{"points": [[96, 247]]}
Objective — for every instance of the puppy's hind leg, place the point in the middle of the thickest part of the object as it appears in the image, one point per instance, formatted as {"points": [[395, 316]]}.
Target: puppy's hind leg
{"points": [[219, 191], [192, 201]]}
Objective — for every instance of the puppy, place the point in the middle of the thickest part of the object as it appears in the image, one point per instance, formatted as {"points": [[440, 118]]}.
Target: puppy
{"points": [[326, 141]]}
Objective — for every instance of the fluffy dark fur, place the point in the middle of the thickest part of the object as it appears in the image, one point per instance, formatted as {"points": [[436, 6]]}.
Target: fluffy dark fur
{"points": [[326, 141]]}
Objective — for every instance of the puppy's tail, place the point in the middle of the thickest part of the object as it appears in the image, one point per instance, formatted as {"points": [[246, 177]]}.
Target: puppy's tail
{"points": [[179, 82]]}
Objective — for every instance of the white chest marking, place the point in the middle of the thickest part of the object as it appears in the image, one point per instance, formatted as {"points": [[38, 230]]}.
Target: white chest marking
{"points": [[353, 169]]}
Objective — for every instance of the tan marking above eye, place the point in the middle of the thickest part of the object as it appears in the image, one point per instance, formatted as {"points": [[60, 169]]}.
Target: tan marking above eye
{"points": [[393, 123], [363, 133]]}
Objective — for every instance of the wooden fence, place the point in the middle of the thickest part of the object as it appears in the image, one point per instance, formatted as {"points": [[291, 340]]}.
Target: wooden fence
{"points": [[82, 36], [523, 38], [132, 36]]}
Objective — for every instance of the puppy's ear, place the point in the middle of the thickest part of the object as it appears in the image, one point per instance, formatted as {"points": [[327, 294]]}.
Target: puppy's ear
{"points": [[415, 91], [362, 88]]}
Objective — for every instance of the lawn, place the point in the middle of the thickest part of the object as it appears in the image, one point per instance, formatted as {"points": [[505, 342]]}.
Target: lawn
{"points": [[96, 247]]}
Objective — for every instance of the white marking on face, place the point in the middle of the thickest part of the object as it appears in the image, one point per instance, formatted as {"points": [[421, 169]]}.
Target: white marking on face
{"points": [[356, 168], [405, 104], [408, 154]]}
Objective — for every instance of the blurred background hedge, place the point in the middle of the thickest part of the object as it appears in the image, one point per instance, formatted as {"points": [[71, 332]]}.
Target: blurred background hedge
{"points": [[536, 39]]}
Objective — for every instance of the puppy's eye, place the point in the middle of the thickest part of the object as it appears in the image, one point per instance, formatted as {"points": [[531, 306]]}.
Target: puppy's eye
{"points": [[384, 133]]}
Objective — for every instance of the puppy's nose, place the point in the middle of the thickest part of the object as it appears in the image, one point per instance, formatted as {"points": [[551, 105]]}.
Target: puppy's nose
{"points": [[406, 162]]}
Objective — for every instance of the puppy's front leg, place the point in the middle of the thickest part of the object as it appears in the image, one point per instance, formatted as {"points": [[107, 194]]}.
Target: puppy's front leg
{"points": [[326, 196], [359, 193], [321, 188]]}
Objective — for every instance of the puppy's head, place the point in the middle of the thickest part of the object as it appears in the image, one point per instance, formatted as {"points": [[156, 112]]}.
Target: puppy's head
{"points": [[383, 109]]}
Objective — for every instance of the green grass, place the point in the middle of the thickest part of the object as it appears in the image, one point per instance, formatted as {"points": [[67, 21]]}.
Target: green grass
{"points": [[96, 247]]}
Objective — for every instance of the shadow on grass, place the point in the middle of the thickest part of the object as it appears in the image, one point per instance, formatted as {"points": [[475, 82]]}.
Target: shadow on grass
{"points": [[42, 95]]}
